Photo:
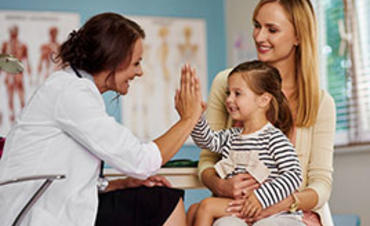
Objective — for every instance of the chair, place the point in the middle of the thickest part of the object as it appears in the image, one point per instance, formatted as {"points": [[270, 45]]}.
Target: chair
{"points": [[48, 180], [2, 143]]}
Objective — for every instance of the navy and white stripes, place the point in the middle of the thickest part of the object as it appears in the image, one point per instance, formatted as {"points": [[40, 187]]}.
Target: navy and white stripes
{"points": [[274, 149]]}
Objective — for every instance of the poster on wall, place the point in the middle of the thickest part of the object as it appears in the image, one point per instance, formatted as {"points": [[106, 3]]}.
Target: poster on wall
{"points": [[241, 49], [149, 109], [32, 37]]}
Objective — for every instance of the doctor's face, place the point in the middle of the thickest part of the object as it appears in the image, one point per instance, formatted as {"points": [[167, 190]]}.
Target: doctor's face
{"points": [[126, 73]]}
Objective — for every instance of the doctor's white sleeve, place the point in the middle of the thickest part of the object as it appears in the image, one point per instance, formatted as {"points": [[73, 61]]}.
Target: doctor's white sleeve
{"points": [[80, 112]]}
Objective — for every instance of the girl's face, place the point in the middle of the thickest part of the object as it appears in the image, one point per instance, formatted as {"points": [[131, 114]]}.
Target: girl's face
{"points": [[274, 34], [123, 75], [241, 102]]}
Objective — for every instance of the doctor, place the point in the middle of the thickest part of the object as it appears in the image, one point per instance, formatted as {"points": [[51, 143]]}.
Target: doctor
{"points": [[65, 129]]}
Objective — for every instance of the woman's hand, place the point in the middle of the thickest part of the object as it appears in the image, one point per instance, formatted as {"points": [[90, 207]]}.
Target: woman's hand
{"points": [[238, 186], [252, 207], [238, 208], [188, 99], [263, 214], [271, 210], [132, 183]]}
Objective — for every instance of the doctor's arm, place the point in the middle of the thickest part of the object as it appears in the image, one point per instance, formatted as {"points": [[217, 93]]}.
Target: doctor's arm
{"points": [[188, 101], [81, 114]]}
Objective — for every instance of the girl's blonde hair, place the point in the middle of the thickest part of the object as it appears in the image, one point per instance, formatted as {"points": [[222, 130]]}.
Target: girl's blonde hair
{"points": [[302, 16], [262, 78]]}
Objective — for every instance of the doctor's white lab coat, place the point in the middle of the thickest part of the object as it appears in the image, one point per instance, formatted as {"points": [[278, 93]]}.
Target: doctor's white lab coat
{"points": [[65, 129]]}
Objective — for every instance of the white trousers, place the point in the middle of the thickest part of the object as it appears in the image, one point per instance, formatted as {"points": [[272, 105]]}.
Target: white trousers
{"points": [[281, 219]]}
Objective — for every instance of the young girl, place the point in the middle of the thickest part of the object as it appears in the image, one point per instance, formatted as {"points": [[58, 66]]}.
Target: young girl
{"points": [[260, 147]]}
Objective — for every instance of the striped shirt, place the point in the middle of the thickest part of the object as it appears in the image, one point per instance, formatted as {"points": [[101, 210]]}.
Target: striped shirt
{"points": [[274, 150]]}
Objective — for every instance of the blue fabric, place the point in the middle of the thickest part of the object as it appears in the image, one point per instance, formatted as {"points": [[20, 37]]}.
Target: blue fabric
{"points": [[346, 220]]}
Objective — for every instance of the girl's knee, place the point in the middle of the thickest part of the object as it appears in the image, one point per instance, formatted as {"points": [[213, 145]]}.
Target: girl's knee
{"points": [[190, 215], [206, 203], [193, 209]]}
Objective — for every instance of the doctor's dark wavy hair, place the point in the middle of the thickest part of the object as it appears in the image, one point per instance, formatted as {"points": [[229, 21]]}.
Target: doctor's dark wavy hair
{"points": [[262, 78], [102, 43]]}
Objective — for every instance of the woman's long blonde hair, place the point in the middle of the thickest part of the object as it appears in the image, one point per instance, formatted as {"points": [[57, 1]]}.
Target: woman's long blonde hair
{"points": [[302, 16]]}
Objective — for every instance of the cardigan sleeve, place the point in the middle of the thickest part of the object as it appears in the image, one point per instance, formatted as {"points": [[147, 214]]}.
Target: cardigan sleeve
{"points": [[320, 166], [216, 116]]}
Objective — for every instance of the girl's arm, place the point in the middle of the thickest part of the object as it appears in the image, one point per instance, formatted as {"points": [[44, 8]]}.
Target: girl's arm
{"points": [[217, 118], [320, 168], [206, 138], [289, 172]]}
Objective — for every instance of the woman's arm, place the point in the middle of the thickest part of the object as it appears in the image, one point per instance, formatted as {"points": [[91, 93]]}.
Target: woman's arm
{"points": [[288, 175], [320, 164], [235, 187], [307, 199], [320, 167]]}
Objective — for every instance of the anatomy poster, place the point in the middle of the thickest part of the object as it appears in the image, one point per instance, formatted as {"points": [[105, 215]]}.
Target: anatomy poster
{"points": [[149, 108], [32, 37]]}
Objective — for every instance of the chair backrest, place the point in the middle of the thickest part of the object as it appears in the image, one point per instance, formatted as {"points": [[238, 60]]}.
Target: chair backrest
{"points": [[48, 180], [2, 143]]}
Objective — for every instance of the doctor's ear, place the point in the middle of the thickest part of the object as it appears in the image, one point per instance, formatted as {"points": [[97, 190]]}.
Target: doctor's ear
{"points": [[264, 100]]}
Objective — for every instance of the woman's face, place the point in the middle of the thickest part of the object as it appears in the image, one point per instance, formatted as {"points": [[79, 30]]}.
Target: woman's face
{"points": [[274, 34], [124, 75]]}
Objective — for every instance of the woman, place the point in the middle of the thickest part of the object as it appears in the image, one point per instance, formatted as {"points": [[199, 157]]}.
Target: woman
{"points": [[285, 37], [65, 129]]}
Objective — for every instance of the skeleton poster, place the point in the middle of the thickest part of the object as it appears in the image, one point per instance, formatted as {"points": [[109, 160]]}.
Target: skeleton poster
{"points": [[32, 37], [149, 109]]}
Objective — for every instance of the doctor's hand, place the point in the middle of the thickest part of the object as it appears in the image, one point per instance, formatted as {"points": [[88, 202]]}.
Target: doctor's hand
{"points": [[157, 180], [188, 99], [133, 182]]}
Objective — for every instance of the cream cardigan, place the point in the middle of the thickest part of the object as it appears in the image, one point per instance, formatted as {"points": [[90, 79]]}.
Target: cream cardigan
{"points": [[314, 144]]}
